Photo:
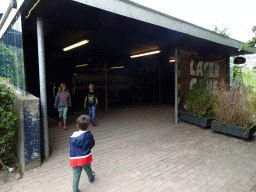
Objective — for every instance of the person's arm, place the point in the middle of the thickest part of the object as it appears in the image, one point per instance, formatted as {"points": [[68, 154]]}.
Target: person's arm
{"points": [[56, 101], [85, 100], [88, 142], [96, 99]]}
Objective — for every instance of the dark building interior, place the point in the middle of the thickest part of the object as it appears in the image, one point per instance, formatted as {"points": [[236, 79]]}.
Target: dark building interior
{"points": [[112, 39]]}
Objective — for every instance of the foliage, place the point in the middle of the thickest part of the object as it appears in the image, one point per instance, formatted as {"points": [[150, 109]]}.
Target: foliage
{"points": [[236, 70], [7, 60], [200, 99], [249, 79], [11, 65], [8, 118], [251, 43], [18, 167], [236, 106], [223, 31], [249, 76]]}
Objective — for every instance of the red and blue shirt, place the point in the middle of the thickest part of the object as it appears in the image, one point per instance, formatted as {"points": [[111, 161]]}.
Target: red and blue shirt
{"points": [[81, 143]]}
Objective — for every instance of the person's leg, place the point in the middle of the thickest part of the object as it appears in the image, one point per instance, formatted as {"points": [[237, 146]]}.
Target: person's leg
{"points": [[60, 117], [93, 114], [90, 112], [76, 177], [65, 112], [89, 172]]}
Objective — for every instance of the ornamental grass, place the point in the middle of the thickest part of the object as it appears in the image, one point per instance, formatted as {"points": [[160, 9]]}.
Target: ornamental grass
{"points": [[235, 105]]}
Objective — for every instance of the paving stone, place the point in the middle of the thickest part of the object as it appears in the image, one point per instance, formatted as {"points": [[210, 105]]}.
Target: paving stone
{"points": [[141, 149], [156, 174]]}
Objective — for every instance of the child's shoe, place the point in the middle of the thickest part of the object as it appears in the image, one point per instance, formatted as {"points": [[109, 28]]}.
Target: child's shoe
{"points": [[60, 124], [91, 181], [65, 127]]}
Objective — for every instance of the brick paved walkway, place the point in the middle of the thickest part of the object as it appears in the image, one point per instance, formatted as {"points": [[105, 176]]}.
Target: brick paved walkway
{"points": [[141, 149]]}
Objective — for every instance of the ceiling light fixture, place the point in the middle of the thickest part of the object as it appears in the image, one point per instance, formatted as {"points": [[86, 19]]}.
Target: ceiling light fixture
{"points": [[144, 54], [76, 45], [121, 67], [172, 60], [82, 65]]}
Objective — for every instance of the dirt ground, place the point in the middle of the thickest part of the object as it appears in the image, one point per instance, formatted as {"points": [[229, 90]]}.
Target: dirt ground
{"points": [[13, 175]]}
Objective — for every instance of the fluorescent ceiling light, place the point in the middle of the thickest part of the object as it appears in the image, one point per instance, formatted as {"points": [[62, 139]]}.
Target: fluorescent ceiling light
{"points": [[117, 67], [172, 60], [82, 65], [76, 45], [144, 54]]}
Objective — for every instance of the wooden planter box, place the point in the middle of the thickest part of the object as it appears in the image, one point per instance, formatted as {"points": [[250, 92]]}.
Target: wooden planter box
{"points": [[203, 122], [232, 130]]}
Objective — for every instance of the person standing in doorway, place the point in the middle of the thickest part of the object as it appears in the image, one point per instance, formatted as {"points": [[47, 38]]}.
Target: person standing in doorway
{"points": [[92, 98], [62, 102]]}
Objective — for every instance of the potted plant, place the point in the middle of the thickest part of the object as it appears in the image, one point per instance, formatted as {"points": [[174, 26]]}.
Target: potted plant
{"points": [[198, 108], [235, 109]]}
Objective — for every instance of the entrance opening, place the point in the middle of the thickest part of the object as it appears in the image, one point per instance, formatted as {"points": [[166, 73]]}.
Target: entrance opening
{"points": [[112, 39]]}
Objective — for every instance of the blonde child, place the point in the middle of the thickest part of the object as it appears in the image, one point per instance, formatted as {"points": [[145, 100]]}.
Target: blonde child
{"points": [[62, 102]]}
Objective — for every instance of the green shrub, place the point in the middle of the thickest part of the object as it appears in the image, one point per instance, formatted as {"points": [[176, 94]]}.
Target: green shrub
{"points": [[200, 99], [8, 119]]}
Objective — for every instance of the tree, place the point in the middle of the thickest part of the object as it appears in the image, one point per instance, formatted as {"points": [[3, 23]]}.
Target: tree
{"points": [[223, 31], [251, 43], [7, 62], [236, 70], [11, 65]]}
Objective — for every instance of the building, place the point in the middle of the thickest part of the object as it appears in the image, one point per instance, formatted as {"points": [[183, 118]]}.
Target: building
{"points": [[116, 30]]}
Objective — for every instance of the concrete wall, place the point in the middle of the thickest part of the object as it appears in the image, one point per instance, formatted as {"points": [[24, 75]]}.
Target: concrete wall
{"points": [[28, 131]]}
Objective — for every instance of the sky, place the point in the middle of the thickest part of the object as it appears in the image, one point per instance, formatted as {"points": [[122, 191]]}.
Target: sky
{"points": [[4, 4], [239, 16]]}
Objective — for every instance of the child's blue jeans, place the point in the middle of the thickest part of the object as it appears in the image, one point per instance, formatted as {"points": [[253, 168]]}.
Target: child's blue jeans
{"points": [[92, 112], [63, 112], [77, 173]]}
